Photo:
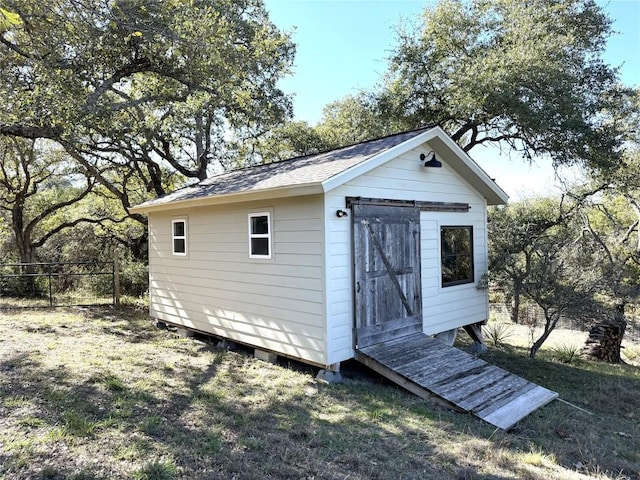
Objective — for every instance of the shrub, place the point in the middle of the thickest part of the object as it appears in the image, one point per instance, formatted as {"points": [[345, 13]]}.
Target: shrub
{"points": [[566, 353], [496, 334], [134, 277]]}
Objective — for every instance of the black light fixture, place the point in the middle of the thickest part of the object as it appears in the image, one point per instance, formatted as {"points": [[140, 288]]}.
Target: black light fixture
{"points": [[432, 162], [341, 213]]}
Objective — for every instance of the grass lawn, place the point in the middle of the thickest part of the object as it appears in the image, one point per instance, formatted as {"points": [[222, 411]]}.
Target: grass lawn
{"points": [[102, 394]]}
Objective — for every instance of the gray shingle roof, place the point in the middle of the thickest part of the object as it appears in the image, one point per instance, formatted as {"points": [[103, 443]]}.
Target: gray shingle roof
{"points": [[299, 171]]}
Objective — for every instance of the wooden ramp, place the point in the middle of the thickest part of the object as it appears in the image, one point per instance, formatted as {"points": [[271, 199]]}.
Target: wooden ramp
{"points": [[424, 365]]}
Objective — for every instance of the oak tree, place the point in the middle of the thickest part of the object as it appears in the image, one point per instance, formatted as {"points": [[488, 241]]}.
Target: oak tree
{"points": [[528, 77], [144, 96], [152, 90]]}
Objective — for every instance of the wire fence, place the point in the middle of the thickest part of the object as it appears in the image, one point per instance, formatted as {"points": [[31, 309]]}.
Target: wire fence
{"points": [[39, 285], [530, 314]]}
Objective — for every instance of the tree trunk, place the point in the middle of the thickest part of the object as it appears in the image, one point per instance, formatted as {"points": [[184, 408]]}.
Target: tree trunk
{"points": [[27, 285], [139, 247], [515, 303], [549, 324]]}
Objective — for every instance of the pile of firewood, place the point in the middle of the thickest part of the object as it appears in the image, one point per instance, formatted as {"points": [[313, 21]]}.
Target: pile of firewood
{"points": [[604, 341]]}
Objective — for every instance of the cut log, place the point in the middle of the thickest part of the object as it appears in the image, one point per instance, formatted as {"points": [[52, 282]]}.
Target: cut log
{"points": [[604, 341]]}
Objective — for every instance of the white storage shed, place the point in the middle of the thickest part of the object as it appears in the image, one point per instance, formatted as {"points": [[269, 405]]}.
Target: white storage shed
{"points": [[317, 256]]}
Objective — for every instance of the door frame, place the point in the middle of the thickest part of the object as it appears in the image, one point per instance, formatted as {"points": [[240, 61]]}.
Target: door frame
{"points": [[357, 203], [402, 303]]}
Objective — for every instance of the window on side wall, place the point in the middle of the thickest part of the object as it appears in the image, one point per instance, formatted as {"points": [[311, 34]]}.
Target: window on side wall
{"points": [[456, 255], [179, 236], [260, 235]]}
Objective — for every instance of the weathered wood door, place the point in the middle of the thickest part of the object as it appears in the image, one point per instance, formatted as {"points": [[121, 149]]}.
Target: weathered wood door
{"points": [[387, 273]]}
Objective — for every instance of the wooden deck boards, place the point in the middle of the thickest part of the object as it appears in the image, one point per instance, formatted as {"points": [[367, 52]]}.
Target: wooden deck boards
{"points": [[423, 364]]}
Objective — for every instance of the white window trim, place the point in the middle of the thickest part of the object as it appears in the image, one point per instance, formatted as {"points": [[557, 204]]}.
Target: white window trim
{"points": [[175, 237], [458, 284], [260, 235]]}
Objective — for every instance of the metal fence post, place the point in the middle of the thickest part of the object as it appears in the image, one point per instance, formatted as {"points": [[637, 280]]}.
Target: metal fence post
{"points": [[14, 284], [116, 277], [50, 289]]}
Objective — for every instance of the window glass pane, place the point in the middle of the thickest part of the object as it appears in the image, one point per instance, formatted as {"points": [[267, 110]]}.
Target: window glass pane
{"points": [[260, 246], [179, 245], [457, 255], [178, 229], [260, 225]]}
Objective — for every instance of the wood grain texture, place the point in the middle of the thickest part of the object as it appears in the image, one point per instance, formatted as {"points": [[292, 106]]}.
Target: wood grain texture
{"points": [[387, 272], [423, 364]]}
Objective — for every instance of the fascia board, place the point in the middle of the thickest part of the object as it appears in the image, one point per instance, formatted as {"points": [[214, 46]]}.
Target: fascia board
{"points": [[377, 160], [436, 137], [269, 194], [471, 171]]}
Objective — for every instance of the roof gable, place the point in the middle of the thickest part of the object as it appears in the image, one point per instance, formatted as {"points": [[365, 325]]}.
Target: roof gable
{"points": [[323, 172]]}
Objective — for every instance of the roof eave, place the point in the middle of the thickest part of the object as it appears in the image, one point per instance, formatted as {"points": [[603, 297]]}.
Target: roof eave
{"points": [[221, 199], [460, 161], [444, 145], [378, 160]]}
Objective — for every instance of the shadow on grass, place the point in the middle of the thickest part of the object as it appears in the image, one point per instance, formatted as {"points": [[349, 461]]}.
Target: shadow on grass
{"points": [[595, 424], [220, 426], [231, 416]]}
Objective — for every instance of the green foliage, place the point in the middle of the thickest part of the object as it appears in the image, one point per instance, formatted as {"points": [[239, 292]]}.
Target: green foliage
{"points": [[78, 424], [42, 194], [497, 334], [114, 384], [287, 141], [566, 353], [577, 255], [516, 233], [353, 119], [9, 19], [539, 250], [211, 443], [530, 74], [157, 470], [151, 425], [134, 277], [141, 96], [348, 121]]}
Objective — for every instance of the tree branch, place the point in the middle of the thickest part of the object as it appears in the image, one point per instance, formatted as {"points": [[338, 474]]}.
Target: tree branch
{"points": [[30, 131], [58, 206], [65, 225]]}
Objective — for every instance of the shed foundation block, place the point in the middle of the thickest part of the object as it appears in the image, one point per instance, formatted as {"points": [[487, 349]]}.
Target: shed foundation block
{"points": [[331, 374], [185, 333], [265, 356]]}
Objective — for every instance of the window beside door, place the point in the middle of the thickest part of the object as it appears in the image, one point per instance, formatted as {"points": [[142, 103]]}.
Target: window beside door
{"points": [[456, 254]]}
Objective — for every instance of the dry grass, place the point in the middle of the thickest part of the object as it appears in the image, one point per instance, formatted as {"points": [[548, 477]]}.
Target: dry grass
{"points": [[499, 333], [101, 394]]}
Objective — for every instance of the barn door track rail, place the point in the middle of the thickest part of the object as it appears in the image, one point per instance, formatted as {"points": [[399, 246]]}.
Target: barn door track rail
{"points": [[426, 366], [422, 206]]}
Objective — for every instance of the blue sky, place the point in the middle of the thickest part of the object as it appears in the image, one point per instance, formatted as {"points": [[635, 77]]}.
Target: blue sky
{"points": [[342, 47]]}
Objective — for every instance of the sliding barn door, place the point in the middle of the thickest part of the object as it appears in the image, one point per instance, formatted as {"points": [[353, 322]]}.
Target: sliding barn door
{"points": [[387, 273]]}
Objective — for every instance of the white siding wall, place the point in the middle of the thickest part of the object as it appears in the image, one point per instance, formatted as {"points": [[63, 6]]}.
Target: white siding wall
{"points": [[405, 178], [275, 304], [445, 308]]}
